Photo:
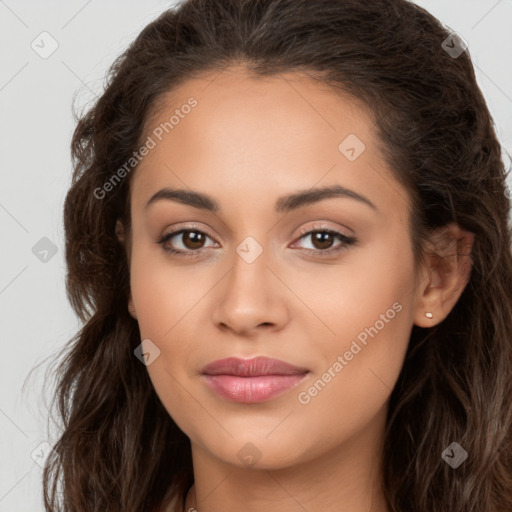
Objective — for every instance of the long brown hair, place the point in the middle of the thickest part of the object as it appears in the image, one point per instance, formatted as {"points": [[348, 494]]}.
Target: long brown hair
{"points": [[119, 448]]}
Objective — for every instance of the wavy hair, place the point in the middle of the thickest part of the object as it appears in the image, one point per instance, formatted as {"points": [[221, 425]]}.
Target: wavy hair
{"points": [[119, 449]]}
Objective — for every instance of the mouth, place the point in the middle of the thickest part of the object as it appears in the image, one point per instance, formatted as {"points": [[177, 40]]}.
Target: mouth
{"points": [[251, 380]]}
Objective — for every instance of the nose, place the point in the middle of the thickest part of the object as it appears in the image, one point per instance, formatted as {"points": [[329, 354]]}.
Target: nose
{"points": [[251, 298]]}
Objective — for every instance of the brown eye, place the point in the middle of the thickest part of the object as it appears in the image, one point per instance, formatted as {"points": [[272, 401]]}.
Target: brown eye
{"points": [[192, 242], [322, 239], [192, 239]]}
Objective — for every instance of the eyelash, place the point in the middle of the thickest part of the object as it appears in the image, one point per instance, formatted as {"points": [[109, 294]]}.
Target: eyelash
{"points": [[346, 241]]}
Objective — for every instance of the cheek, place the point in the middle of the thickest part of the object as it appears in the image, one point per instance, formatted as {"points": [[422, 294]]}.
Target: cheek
{"points": [[352, 388], [370, 289], [161, 315], [356, 371], [364, 316], [162, 292], [166, 298]]}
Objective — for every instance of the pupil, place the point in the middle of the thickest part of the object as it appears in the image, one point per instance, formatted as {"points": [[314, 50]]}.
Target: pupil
{"points": [[321, 238], [194, 238]]}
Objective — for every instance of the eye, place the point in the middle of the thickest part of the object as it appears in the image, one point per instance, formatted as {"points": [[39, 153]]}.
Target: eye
{"points": [[192, 241], [322, 239]]}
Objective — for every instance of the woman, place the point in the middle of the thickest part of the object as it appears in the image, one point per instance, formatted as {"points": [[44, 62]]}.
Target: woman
{"points": [[287, 238]]}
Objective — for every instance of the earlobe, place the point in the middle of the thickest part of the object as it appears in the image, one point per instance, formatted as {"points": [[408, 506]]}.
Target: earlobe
{"points": [[449, 268], [119, 231], [131, 307]]}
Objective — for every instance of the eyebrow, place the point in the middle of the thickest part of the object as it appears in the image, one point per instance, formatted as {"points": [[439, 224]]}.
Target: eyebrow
{"points": [[283, 204]]}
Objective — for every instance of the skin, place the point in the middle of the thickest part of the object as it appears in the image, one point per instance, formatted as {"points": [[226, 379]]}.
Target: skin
{"points": [[248, 142]]}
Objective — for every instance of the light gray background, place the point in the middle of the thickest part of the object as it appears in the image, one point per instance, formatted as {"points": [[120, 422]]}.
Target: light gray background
{"points": [[36, 124]]}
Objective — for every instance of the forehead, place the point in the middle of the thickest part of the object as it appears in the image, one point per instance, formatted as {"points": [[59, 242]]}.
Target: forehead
{"points": [[256, 136]]}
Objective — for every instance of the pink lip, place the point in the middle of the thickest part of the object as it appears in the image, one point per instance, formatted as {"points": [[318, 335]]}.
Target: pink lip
{"points": [[251, 380]]}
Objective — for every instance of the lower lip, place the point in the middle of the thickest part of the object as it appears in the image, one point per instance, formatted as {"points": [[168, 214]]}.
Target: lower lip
{"points": [[251, 390]]}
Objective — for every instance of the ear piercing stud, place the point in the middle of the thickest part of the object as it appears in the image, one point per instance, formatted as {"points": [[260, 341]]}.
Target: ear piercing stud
{"points": [[429, 315]]}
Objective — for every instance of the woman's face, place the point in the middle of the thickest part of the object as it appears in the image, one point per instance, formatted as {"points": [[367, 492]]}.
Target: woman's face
{"points": [[260, 274]]}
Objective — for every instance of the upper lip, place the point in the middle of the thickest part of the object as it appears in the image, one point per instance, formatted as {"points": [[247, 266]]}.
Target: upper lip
{"points": [[254, 367]]}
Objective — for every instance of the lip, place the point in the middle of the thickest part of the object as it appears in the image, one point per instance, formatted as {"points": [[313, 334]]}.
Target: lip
{"points": [[255, 367], [251, 380]]}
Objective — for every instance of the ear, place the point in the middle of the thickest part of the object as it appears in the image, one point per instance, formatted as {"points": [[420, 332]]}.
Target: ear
{"points": [[446, 272], [119, 231], [131, 307]]}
